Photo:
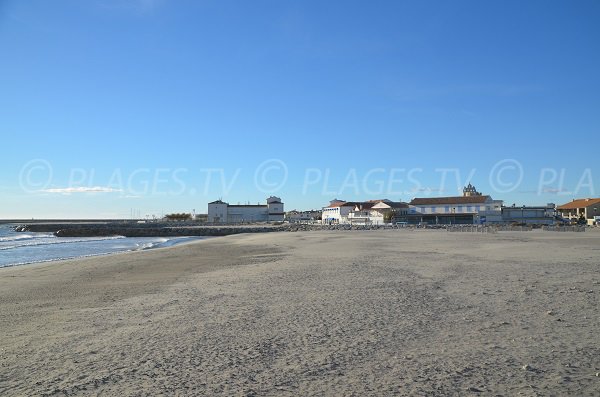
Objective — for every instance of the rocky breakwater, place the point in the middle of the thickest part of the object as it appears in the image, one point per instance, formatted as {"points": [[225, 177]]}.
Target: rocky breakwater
{"points": [[155, 229], [143, 230]]}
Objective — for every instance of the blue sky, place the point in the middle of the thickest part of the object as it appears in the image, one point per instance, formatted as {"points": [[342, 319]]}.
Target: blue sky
{"points": [[162, 106]]}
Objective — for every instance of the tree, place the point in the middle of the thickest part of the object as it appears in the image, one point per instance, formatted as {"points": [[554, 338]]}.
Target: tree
{"points": [[178, 217], [389, 216]]}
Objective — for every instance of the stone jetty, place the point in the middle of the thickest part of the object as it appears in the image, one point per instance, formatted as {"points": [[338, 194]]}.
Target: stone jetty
{"points": [[142, 230], [163, 229]]}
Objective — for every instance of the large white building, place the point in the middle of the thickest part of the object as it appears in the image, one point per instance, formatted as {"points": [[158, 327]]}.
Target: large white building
{"points": [[472, 205], [222, 212]]}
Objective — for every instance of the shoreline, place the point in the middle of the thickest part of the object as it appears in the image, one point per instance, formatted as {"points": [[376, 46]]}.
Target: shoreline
{"points": [[155, 246], [326, 229]]}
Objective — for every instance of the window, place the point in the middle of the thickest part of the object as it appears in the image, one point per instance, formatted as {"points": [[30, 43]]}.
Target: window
{"points": [[469, 208], [447, 208], [433, 209]]}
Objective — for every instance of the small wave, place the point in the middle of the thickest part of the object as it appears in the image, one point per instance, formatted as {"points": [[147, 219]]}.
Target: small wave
{"points": [[167, 242], [145, 246], [25, 237], [53, 242]]}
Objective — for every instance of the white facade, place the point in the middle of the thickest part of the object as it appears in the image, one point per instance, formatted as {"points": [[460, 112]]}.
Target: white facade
{"points": [[217, 212], [456, 207], [336, 212], [221, 212], [483, 208], [367, 212], [373, 212]]}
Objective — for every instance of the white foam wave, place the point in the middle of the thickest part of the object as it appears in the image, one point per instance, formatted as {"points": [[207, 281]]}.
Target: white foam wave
{"points": [[59, 241], [25, 237], [152, 244]]}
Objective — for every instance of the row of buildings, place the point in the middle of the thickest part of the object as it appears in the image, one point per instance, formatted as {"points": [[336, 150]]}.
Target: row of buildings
{"points": [[472, 207]]}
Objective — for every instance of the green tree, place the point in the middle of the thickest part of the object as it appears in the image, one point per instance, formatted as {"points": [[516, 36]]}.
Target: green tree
{"points": [[179, 217]]}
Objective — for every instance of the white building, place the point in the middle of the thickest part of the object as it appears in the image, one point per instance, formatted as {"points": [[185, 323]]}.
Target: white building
{"points": [[472, 204], [222, 212], [370, 212], [373, 212], [337, 211]]}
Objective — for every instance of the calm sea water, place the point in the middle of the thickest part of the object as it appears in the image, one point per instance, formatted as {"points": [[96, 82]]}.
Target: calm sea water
{"points": [[27, 247]]}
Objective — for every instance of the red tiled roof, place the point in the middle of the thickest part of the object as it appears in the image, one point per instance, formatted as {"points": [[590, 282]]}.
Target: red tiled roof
{"points": [[450, 200], [340, 204], [580, 203]]}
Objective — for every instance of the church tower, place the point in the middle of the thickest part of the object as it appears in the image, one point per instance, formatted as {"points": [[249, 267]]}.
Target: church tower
{"points": [[469, 191]]}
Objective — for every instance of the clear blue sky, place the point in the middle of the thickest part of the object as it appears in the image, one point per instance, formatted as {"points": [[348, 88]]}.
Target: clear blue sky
{"points": [[110, 105]]}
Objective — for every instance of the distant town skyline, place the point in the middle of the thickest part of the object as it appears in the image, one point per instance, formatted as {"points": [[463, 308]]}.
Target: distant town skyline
{"points": [[113, 106]]}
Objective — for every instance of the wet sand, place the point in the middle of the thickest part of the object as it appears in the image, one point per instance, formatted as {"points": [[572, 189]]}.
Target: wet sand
{"points": [[341, 313]]}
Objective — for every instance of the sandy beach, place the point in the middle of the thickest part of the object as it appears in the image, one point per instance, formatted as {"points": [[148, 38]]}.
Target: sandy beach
{"points": [[340, 313]]}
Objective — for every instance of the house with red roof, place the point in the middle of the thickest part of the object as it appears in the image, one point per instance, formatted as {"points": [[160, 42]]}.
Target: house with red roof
{"points": [[371, 212], [587, 208]]}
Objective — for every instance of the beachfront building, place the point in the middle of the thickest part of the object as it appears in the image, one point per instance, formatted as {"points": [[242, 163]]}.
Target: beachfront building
{"points": [[372, 212], [336, 212], [534, 215], [222, 212], [470, 208], [588, 209]]}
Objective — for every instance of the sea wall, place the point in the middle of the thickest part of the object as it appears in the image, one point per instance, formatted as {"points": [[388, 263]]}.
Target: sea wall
{"points": [[132, 229], [135, 230]]}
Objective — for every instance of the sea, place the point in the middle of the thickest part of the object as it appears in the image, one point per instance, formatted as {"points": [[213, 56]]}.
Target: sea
{"points": [[26, 247]]}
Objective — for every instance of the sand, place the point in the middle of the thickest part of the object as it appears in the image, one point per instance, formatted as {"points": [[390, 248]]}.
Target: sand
{"points": [[340, 313]]}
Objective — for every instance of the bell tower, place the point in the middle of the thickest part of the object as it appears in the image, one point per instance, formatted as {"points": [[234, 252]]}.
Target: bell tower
{"points": [[469, 191]]}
